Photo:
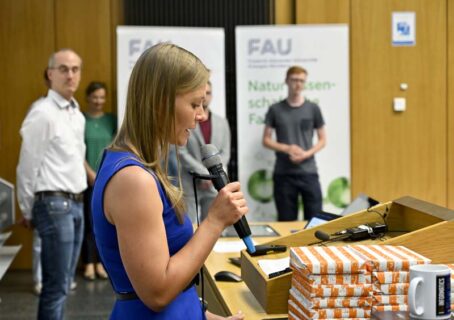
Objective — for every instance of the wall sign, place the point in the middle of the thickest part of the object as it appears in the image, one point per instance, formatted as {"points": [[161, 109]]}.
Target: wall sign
{"points": [[403, 29]]}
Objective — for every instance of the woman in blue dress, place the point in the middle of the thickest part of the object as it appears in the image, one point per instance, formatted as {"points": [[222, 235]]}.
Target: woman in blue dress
{"points": [[145, 239]]}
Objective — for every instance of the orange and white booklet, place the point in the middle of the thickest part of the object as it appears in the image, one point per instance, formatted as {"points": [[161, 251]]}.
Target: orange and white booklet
{"points": [[389, 258], [319, 279], [391, 288], [333, 290], [383, 299], [295, 307], [384, 277], [331, 302], [327, 260], [394, 308]]}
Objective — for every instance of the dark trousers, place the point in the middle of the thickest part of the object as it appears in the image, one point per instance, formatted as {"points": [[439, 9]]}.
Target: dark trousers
{"points": [[287, 188], [89, 249]]}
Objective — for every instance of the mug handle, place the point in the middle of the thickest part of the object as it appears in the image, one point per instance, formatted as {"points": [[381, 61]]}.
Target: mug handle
{"points": [[412, 296]]}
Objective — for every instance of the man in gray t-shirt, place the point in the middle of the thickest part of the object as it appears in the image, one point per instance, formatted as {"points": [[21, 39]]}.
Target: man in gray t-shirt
{"points": [[295, 172]]}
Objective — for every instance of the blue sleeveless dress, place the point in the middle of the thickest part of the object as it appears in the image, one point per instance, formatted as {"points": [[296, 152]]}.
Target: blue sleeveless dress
{"points": [[186, 305]]}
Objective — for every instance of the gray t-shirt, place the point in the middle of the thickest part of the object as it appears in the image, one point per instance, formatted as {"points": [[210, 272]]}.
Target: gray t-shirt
{"points": [[294, 125]]}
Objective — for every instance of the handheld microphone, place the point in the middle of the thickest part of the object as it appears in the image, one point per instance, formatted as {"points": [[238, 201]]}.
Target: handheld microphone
{"points": [[212, 161]]}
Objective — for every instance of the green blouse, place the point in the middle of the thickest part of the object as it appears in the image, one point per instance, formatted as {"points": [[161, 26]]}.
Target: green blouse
{"points": [[99, 133]]}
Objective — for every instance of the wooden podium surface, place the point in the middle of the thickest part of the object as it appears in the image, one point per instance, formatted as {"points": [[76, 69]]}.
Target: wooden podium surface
{"points": [[227, 298]]}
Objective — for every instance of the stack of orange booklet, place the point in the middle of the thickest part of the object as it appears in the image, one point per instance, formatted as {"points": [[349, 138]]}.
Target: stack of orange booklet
{"points": [[329, 283], [390, 266], [349, 282]]}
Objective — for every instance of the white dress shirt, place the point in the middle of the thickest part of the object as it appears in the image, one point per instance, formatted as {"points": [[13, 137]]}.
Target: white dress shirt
{"points": [[53, 150]]}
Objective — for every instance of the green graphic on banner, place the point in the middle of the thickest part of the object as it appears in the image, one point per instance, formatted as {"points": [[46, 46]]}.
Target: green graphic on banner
{"points": [[260, 186], [338, 192]]}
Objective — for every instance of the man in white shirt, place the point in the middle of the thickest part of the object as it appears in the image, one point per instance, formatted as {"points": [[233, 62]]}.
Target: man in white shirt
{"points": [[51, 178]]}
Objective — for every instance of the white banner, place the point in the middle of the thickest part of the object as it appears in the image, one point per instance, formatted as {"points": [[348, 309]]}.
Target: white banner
{"points": [[264, 53], [205, 43]]}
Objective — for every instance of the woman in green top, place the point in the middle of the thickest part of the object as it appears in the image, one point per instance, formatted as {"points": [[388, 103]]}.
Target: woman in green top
{"points": [[100, 128]]}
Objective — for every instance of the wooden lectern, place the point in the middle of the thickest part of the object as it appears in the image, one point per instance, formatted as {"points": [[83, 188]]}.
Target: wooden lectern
{"points": [[418, 225]]}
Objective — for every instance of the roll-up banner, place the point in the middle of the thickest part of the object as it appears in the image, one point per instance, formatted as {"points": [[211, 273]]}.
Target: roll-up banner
{"points": [[263, 55], [205, 43]]}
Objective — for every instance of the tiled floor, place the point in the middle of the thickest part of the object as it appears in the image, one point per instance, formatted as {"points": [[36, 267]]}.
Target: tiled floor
{"points": [[92, 300]]}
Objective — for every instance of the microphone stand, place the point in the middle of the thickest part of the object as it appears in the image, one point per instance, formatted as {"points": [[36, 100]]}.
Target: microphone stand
{"points": [[199, 176]]}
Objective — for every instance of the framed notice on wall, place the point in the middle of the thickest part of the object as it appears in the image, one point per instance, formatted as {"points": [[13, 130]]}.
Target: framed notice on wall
{"points": [[403, 29]]}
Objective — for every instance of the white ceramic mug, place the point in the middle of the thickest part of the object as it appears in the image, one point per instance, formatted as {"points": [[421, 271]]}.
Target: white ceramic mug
{"points": [[429, 295]]}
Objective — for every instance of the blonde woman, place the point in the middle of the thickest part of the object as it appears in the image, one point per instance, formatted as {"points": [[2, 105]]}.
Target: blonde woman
{"points": [[144, 236]]}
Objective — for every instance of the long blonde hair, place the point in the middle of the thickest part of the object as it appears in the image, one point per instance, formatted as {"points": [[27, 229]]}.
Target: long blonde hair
{"points": [[160, 74]]}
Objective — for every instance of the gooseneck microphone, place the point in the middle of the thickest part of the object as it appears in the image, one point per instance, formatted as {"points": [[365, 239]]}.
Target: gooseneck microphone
{"points": [[325, 237], [212, 161], [371, 230], [320, 235]]}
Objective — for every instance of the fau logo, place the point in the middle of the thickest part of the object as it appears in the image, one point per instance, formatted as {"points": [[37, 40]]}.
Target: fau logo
{"points": [[269, 46]]}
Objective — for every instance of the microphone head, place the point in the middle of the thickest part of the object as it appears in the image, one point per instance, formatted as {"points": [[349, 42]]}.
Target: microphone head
{"points": [[210, 156], [321, 235]]}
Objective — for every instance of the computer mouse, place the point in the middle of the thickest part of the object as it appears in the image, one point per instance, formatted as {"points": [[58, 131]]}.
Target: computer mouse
{"points": [[227, 276]]}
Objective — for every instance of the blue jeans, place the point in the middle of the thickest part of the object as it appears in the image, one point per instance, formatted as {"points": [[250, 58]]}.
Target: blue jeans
{"points": [[36, 258], [60, 224]]}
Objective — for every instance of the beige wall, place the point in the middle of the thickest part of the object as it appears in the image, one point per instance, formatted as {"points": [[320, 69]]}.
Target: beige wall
{"points": [[85, 27], [399, 153], [32, 29], [284, 12], [450, 117], [396, 154], [322, 11]]}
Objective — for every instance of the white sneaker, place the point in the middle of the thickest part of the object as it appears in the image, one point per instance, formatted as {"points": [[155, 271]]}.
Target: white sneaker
{"points": [[73, 285], [37, 288]]}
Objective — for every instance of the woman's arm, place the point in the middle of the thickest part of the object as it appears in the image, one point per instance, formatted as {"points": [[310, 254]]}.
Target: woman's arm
{"points": [[132, 203]]}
